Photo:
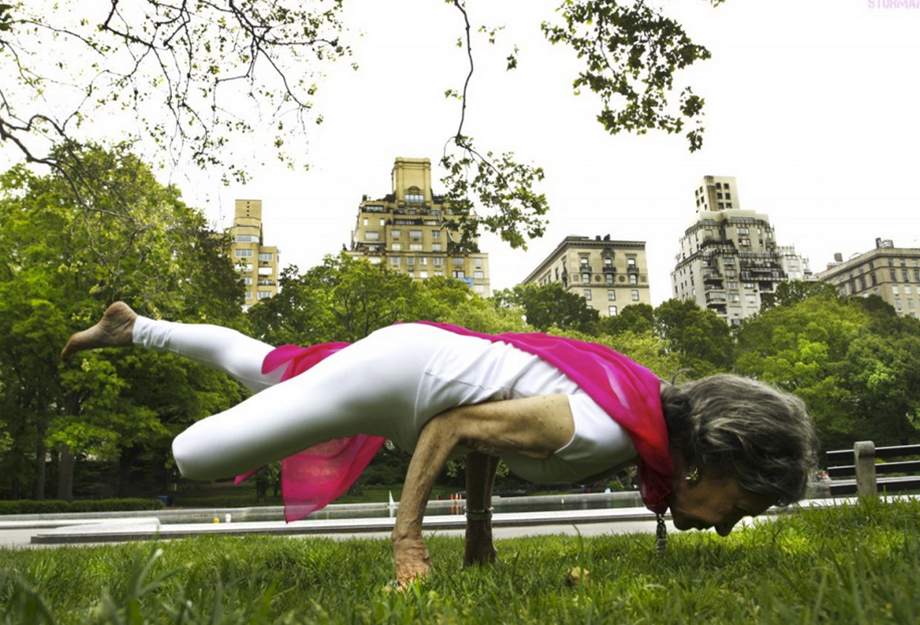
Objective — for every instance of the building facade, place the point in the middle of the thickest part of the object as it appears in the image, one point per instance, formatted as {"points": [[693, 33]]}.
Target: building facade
{"points": [[257, 263], [728, 256], [408, 230], [892, 273], [610, 275]]}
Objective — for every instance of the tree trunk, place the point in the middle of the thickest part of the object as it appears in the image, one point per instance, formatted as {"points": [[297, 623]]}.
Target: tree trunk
{"points": [[66, 462], [38, 486], [125, 462]]}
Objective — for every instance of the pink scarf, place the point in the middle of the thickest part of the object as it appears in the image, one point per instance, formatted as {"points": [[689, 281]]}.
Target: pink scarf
{"points": [[628, 392]]}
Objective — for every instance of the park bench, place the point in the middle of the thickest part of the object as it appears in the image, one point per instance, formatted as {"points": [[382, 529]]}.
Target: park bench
{"points": [[858, 470]]}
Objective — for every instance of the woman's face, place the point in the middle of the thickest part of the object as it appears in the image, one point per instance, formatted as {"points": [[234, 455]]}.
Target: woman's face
{"points": [[717, 502]]}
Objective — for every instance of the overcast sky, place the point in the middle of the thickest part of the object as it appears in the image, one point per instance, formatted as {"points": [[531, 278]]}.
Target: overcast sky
{"points": [[811, 104]]}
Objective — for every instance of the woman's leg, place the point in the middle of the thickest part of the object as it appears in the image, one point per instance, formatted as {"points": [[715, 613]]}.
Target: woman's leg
{"points": [[236, 354], [220, 348], [370, 387]]}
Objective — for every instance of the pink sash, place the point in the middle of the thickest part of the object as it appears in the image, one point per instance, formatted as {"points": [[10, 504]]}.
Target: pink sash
{"points": [[627, 391]]}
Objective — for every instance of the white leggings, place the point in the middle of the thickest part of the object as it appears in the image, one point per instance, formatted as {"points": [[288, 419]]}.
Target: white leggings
{"points": [[389, 384], [372, 387]]}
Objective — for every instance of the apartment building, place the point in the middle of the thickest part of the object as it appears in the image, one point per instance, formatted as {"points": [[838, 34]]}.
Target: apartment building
{"points": [[729, 256], [609, 274], [257, 263], [892, 273], [408, 230]]}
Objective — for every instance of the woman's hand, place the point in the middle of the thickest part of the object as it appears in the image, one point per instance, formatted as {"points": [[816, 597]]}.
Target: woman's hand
{"points": [[533, 426]]}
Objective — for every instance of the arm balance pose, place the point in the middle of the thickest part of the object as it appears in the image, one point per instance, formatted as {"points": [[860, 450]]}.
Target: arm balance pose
{"points": [[553, 409]]}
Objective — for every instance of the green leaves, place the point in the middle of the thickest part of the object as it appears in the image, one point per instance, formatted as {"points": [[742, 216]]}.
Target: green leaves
{"points": [[502, 188], [631, 53]]}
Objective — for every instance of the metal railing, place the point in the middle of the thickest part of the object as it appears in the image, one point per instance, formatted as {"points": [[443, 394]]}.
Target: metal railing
{"points": [[856, 471]]}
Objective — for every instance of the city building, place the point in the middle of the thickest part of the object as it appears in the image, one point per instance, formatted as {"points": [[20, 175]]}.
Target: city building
{"points": [[408, 230], [729, 256], [892, 273], [610, 275], [256, 262]]}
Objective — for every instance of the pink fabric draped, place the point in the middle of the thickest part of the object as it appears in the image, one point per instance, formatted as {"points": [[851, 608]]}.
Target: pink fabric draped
{"points": [[627, 391], [313, 478]]}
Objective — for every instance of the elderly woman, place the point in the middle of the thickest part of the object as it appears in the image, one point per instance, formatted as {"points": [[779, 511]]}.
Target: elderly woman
{"points": [[553, 409]]}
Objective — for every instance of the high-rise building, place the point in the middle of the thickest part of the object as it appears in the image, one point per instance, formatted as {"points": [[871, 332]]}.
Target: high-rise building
{"points": [[892, 273], [728, 256], [610, 275], [256, 262], [408, 230]]}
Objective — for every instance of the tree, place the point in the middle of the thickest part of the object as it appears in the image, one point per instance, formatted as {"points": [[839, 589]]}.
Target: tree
{"points": [[701, 339], [189, 75], [192, 77], [856, 366], [550, 305], [63, 261], [638, 318]]}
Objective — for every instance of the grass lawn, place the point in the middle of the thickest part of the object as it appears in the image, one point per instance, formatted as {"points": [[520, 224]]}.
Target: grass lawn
{"points": [[857, 564]]}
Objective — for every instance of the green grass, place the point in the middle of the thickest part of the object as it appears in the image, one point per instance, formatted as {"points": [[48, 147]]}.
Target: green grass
{"points": [[845, 565]]}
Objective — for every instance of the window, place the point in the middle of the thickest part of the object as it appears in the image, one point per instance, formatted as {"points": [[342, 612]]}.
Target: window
{"points": [[895, 289], [264, 294], [395, 234], [248, 294], [456, 262], [634, 295], [247, 280], [611, 295], [609, 278], [372, 236], [608, 262], [435, 247], [437, 262], [423, 274], [422, 260], [479, 288], [458, 274], [435, 234], [264, 282], [396, 247], [587, 294], [584, 261], [751, 299], [394, 260], [585, 278], [612, 311], [246, 238], [410, 260], [265, 271], [243, 253], [266, 256], [479, 275], [633, 279], [630, 262], [415, 235], [415, 247], [415, 198]]}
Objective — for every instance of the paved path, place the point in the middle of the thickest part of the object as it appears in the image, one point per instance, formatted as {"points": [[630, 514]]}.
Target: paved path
{"points": [[48, 530]]}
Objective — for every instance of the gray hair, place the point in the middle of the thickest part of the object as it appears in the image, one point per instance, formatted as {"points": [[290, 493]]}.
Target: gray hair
{"points": [[737, 427]]}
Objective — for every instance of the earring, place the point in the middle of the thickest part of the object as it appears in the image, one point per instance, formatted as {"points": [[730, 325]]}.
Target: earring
{"points": [[693, 476]]}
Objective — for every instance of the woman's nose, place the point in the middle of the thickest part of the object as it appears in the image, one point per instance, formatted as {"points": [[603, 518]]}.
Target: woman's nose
{"points": [[724, 529]]}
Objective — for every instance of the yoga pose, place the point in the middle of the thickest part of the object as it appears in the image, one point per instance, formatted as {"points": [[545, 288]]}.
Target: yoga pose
{"points": [[553, 409]]}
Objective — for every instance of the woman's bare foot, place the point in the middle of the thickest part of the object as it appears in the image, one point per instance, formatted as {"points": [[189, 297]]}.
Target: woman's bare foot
{"points": [[113, 330]]}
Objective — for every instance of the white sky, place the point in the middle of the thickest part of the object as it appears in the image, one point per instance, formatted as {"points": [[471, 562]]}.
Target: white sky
{"points": [[811, 104]]}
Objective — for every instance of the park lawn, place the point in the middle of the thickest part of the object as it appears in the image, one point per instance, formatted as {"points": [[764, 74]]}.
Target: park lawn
{"points": [[858, 564]]}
